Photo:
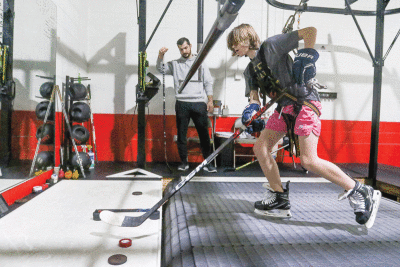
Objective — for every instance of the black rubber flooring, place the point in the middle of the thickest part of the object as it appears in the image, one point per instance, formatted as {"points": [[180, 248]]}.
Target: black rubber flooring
{"points": [[213, 224]]}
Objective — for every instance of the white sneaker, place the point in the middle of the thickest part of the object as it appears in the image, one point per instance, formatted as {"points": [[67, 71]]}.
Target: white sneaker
{"points": [[183, 166]]}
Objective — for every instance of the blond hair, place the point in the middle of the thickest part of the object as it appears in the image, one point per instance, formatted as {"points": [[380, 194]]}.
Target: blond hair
{"points": [[243, 34]]}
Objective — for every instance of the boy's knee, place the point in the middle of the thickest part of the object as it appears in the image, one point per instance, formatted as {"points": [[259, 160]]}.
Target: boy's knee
{"points": [[307, 162], [260, 149]]}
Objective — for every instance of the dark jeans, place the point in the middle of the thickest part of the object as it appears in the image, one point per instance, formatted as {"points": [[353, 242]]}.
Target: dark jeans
{"points": [[197, 111]]}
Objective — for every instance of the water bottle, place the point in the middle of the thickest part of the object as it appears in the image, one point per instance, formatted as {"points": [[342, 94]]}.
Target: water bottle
{"points": [[54, 178], [91, 155]]}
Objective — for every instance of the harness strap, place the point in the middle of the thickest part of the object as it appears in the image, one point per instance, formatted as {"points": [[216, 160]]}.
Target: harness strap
{"points": [[293, 138], [290, 121], [267, 83], [304, 102]]}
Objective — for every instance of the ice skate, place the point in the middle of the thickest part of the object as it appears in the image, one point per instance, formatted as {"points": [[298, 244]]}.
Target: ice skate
{"points": [[274, 204], [365, 202]]}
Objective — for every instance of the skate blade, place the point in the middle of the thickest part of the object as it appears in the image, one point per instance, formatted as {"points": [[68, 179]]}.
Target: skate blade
{"points": [[274, 213], [377, 199]]}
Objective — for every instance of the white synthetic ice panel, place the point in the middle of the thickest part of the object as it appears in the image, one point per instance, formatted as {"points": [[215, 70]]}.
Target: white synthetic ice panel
{"points": [[57, 228], [135, 173]]}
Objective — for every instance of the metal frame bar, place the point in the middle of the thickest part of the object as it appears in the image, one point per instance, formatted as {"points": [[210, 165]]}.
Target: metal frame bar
{"points": [[339, 11], [6, 99], [158, 24], [377, 91], [140, 99], [360, 31]]}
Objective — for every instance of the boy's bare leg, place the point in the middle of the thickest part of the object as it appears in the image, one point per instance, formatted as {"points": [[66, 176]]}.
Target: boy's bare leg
{"points": [[310, 160], [262, 149]]}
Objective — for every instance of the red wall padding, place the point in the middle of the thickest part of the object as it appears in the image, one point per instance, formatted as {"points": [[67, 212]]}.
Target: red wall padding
{"points": [[116, 136], [24, 189]]}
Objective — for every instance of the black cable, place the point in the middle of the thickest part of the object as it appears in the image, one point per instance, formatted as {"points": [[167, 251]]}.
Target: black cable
{"points": [[158, 24]]}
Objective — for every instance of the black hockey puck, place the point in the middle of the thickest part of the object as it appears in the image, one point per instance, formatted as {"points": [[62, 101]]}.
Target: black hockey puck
{"points": [[117, 259], [137, 193]]}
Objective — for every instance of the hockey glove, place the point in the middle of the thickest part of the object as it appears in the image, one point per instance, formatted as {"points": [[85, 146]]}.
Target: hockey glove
{"points": [[256, 126], [304, 65], [249, 112]]}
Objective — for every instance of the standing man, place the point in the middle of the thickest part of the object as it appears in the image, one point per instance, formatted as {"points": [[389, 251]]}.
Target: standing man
{"points": [[191, 103], [270, 69]]}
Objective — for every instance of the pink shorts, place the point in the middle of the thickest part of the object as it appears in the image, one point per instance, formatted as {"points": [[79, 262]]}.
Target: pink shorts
{"points": [[307, 121]]}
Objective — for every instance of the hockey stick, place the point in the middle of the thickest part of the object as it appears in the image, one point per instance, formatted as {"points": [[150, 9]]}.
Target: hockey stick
{"points": [[130, 221], [251, 162], [165, 133], [226, 16]]}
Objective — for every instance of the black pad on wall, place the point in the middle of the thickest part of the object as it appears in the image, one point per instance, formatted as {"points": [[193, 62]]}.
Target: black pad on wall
{"points": [[46, 132], [44, 159], [46, 89], [41, 109], [77, 91], [85, 160], [80, 112], [80, 134]]}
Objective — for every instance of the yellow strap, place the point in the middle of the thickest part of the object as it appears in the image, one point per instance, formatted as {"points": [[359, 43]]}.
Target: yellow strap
{"points": [[308, 104]]}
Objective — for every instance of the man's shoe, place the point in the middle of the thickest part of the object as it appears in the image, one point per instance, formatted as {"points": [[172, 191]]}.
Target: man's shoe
{"points": [[183, 166], [210, 168]]}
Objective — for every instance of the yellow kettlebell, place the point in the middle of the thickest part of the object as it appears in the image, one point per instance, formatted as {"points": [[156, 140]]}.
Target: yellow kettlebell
{"points": [[75, 175]]}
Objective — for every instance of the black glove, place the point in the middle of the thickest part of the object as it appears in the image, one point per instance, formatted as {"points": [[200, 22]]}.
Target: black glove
{"points": [[256, 126], [304, 65]]}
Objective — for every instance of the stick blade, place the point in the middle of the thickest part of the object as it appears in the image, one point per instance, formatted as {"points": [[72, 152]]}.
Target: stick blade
{"points": [[111, 218], [120, 220]]}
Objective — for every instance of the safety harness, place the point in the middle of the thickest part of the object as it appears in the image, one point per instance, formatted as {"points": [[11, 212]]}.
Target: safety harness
{"points": [[262, 74]]}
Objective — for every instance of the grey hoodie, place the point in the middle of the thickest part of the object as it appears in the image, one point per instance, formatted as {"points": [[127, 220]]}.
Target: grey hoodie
{"points": [[195, 90]]}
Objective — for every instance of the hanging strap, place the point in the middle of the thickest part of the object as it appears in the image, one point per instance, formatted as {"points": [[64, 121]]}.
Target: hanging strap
{"points": [[290, 121]]}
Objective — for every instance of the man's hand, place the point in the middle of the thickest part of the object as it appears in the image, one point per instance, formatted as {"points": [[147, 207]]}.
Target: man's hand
{"points": [[162, 52], [210, 106], [304, 65]]}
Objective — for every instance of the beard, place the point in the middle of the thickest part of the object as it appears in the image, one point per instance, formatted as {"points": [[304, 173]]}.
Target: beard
{"points": [[186, 55]]}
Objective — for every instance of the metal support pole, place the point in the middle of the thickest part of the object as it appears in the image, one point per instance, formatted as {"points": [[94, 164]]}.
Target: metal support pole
{"points": [[200, 24], [140, 99], [376, 101], [6, 94]]}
